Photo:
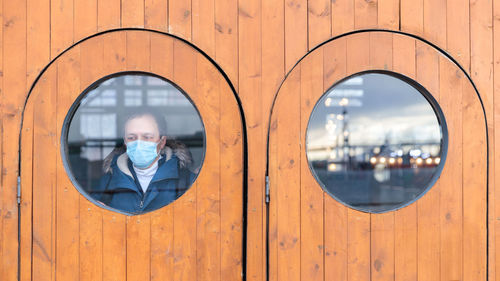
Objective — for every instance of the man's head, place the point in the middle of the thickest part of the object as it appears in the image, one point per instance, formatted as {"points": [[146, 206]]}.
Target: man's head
{"points": [[141, 130]]}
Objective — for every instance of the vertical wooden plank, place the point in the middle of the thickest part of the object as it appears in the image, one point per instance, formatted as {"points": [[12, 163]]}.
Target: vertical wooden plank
{"points": [[311, 194], [67, 211], [250, 65], [288, 178], [156, 14], [38, 38], [458, 35], [91, 244], [365, 14], [203, 25], [208, 244], [388, 14], [108, 14], [13, 96], [358, 224], [61, 26], [179, 18], [162, 221], [428, 207], [435, 22], [450, 90], [132, 13], [295, 32], [85, 18], [44, 178], [412, 16], [114, 244], [226, 38], [185, 223], [382, 225], [493, 166], [405, 219], [335, 229], [319, 25], [231, 166], [26, 192], [474, 186], [138, 57], [342, 16]]}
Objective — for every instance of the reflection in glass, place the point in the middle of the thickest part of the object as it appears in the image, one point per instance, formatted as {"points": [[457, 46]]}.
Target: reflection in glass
{"points": [[95, 141], [374, 142]]}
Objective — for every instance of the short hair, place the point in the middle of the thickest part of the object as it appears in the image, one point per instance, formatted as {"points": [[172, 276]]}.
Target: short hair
{"points": [[159, 119]]}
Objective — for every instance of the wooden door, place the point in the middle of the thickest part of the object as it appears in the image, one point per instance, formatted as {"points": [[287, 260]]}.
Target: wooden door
{"points": [[64, 236], [441, 236]]}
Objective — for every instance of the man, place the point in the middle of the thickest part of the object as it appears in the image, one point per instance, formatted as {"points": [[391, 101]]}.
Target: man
{"points": [[147, 173]]}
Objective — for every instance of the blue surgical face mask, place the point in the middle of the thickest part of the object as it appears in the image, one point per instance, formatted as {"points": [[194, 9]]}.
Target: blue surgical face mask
{"points": [[142, 153]]}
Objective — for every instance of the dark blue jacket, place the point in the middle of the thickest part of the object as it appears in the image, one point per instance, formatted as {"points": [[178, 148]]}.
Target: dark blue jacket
{"points": [[119, 188]]}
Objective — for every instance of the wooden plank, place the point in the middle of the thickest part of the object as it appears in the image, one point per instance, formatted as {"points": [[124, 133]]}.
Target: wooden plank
{"points": [[231, 165], [91, 228], [14, 83], [226, 38], [203, 25], [365, 14], [272, 241], [474, 185], [450, 90], [494, 158], [108, 14], [458, 35], [38, 38], [295, 32], [311, 194], [342, 16], [405, 219], [138, 50], [85, 18], [179, 18], [156, 14], [44, 178], [428, 208], [319, 25], [412, 16], [185, 207], [61, 26], [132, 13], [67, 205], [388, 14], [114, 243], [335, 229], [382, 225], [250, 50], [289, 175], [435, 22], [208, 187], [358, 240]]}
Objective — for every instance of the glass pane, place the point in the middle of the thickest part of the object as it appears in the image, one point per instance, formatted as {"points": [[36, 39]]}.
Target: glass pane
{"points": [[374, 142], [135, 143]]}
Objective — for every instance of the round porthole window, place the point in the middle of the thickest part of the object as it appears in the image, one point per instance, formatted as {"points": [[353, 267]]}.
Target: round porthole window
{"points": [[376, 141], [133, 142]]}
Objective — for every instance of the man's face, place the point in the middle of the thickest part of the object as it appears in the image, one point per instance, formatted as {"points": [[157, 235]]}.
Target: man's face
{"points": [[143, 128]]}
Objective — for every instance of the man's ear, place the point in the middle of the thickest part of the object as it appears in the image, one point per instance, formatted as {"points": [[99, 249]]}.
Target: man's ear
{"points": [[161, 144]]}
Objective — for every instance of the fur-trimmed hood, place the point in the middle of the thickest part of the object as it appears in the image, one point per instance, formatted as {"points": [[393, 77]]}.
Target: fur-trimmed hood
{"points": [[171, 148]]}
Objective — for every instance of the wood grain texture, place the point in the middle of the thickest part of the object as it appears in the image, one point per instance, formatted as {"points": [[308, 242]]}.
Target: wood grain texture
{"points": [[319, 25], [156, 14], [132, 13]]}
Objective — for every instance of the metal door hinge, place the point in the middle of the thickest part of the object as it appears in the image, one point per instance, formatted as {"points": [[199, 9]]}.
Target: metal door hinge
{"points": [[267, 190], [18, 190]]}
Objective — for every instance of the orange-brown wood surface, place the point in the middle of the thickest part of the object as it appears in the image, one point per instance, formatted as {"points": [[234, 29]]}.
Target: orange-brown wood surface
{"points": [[435, 237], [256, 43]]}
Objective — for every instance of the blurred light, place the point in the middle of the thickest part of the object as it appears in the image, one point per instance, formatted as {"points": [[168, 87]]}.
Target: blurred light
{"points": [[400, 160], [328, 102], [400, 152], [373, 160], [346, 133], [419, 161], [332, 167], [344, 102], [428, 161], [382, 160], [392, 160], [415, 152], [340, 117], [376, 150], [437, 160]]}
